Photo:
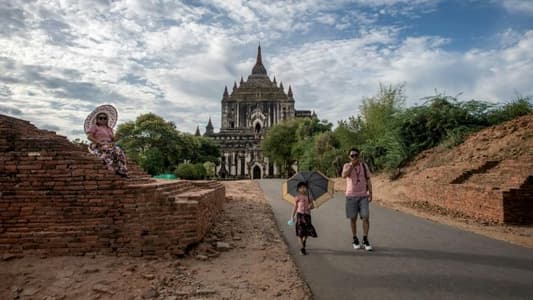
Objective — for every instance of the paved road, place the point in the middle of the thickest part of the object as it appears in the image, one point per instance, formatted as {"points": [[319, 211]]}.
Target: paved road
{"points": [[413, 258]]}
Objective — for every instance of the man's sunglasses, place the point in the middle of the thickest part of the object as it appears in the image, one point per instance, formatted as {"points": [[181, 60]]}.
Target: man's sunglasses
{"points": [[102, 118], [354, 155]]}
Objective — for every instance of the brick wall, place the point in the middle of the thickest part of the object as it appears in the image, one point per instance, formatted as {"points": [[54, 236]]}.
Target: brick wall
{"points": [[58, 200], [489, 191], [518, 203]]}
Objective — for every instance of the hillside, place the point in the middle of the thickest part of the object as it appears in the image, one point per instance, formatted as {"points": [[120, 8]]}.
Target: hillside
{"points": [[488, 177]]}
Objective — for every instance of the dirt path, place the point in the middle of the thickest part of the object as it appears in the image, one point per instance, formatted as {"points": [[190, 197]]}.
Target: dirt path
{"points": [[393, 195], [243, 257]]}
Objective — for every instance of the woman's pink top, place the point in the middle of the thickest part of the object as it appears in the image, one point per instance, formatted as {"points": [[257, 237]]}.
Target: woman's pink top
{"points": [[102, 134], [303, 205]]}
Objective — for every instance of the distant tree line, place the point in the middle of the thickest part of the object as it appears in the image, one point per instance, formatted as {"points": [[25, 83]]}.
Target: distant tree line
{"points": [[388, 133], [158, 147]]}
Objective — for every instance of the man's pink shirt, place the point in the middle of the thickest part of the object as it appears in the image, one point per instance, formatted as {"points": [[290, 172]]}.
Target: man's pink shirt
{"points": [[355, 187]]}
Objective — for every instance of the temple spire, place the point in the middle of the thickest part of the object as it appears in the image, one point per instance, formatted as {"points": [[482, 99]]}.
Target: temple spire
{"points": [[259, 69], [259, 58], [234, 85], [197, 133], [281, 85], [274, 81], [289, 93], [209, 129], [226, 94], [242, 80]]}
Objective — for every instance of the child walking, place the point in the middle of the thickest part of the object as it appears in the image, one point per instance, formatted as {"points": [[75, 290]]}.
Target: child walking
{"points": [[302, 214]]}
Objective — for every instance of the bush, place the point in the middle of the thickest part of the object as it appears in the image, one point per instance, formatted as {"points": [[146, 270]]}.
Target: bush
{"points": [[199, 171], [457, 136], [518, 107], [191, 171], [210, 169]]}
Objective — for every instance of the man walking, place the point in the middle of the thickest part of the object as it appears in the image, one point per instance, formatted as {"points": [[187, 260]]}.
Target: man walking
{"points": [[358, 196]]}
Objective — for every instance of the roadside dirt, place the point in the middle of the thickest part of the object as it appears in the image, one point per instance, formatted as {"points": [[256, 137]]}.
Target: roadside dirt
{"points": [[393, 195], [242, 257]]}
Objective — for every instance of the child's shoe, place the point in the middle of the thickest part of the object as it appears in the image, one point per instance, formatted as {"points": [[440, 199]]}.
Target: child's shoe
{"points": [[303, 252]]}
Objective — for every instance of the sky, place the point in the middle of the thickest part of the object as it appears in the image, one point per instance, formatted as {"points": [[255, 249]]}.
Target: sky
{"points": [[59, 59]]}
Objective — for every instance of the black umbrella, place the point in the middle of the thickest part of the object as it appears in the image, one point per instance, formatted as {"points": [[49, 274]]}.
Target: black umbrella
{"points": [[319, 187]]}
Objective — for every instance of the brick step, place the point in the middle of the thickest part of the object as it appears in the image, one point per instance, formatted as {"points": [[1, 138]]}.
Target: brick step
{"points": [[172, 191], [166, 188], [497, 180], [486, 166]]}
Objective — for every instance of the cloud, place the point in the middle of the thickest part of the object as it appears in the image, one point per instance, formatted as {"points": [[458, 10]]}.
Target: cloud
{"points": [[12, 20], [518, 6], [59, 59], [334, 76], [8, 110]]}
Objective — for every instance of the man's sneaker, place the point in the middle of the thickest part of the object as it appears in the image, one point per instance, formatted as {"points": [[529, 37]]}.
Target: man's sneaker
{"points": [[367, 245], [303, 252], [356, 245]]}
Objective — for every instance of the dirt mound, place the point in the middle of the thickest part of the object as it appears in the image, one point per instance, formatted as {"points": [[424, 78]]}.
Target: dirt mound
{"points": [[488, 177], [512, 140]]}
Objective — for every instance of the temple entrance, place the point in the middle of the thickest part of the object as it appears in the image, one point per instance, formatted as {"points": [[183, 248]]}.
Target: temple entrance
{"points": [[256, 172]]}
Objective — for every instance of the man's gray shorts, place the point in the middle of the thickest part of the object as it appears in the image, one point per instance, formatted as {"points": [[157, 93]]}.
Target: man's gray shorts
{"points": [[357, 206]]}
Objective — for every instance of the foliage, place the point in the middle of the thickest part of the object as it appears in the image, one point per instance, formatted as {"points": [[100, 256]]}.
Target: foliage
{"points": [[388, 134], [158, 147], [191, 171], [350, 133], [279, 142], [519, 106], [210, 168], [380, 136], [152, 161]]}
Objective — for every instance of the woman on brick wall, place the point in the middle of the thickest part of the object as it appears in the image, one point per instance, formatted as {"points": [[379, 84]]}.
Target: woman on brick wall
{"points": [[99, 129]]}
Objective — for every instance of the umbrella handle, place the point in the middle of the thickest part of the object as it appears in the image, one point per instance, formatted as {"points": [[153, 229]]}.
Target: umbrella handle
{"points": [[309, 199]]}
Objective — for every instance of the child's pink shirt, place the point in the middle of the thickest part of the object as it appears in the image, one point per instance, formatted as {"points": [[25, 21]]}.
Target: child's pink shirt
{"points": [[303, 205]]}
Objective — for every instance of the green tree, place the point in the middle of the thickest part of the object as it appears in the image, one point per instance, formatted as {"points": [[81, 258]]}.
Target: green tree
{"points": [[379, 128], [151, 142], [325, 150], [307, 128], [350, 133], [158, 147], [279, 143], [379, 112], [208, 151]]}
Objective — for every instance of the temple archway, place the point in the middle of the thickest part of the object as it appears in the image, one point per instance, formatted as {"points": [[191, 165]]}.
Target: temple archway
{"points": [[256, 172]]}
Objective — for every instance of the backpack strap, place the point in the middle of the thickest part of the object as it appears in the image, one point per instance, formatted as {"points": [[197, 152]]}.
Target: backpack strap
{"points": [[364, 170]]}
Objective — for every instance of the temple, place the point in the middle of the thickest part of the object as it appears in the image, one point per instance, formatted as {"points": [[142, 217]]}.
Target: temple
{"points": [[248, 111]]}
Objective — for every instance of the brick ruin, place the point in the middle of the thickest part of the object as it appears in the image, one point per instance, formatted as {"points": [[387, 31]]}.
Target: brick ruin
{"points": [[57, 199], [489, 177]]}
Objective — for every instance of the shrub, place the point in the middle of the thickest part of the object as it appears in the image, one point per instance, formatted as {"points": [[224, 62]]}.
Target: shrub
{"points": [[191, 171]]}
